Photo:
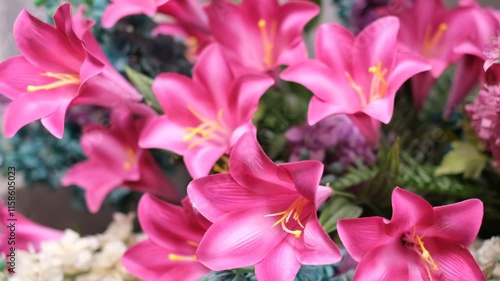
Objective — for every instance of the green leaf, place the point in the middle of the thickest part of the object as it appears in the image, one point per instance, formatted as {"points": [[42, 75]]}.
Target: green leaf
{"points": [[464, 158], [144, 84], [338, 207], [380, 188]]}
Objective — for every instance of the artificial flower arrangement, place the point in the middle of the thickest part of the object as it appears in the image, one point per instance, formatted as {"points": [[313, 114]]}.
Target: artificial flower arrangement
{"points": [[294, 157]]}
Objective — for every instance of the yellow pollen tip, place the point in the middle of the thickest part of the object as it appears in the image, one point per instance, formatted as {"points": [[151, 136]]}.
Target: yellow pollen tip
{"points": [[174, 257], [443, 27], [192, 243], [261, 23]]}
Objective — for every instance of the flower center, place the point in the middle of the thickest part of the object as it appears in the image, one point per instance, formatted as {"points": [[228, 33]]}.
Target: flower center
{"points": [[294, 212], [131, 159], [414, 242], [267, 39], [62, 79], [378, 86], [207, 130], [431, 39]]}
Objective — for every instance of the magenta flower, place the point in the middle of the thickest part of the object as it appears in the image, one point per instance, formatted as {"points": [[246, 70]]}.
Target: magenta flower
{"points": [[115, 160], [260, 35], [264, 215], [187, 19], [27, 233], [205, 115], [57, 69], [184, 18], [484, 113], [174, 234], [119, 9], [418, 243], [356, 76]]}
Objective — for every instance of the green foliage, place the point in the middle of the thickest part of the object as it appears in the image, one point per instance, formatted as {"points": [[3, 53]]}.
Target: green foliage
{"points": [[464, 158], [306, 273], [144, 84], [344, 11], [39, 156], [336, 208], [355, 175]]}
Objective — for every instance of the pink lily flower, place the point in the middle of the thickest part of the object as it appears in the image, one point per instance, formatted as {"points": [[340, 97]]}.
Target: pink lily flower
{"points": [[261, 35], [174, 234], [27, 232], [418, 243], [56, 70], [264, 215], [205, 115], [187, 19], [482, 26], [119, 9], [114, 160], [357, 76], [428, 28], [184, 18]]}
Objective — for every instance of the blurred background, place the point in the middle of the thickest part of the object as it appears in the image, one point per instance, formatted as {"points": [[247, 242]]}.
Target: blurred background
{"points": [[50, 206]]}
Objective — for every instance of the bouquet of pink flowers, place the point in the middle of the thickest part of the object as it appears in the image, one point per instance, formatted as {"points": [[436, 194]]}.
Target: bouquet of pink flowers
{"points": [[295, 147]]}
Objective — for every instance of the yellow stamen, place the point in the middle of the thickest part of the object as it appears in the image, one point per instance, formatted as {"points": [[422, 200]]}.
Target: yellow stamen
{"points": [[417, 245], [174, 257], [296, 209], [358, 89], [222, 167], [192, 47], [192, 243], [379, 84], [127, 165], [267, 40], [430, 41], [63, 79], [207, 130]]}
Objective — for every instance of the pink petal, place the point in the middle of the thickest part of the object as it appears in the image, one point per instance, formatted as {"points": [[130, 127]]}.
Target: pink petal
{"points": [[317, 248], [409, 211], [280, 264], [245, 94], [96, 187], [12, 84], [369, 127], [29, 107], [216, 83], [360, 236], [120, 9], [199, 161], [325, 84], [251, 168], [157, 218], [239, 239], [454, 261], [176, 93], [216, 195], [151, 268], [54, 123], [375, 44], [165, 134], [60, 55], [306, 176], [464, 80], [388, 263], [334, 46], [450, 221], [319, 110], [292, 18]]}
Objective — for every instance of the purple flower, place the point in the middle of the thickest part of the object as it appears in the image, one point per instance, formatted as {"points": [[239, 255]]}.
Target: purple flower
{"points": [[485, 115], [365, 12], [333, 139]]}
